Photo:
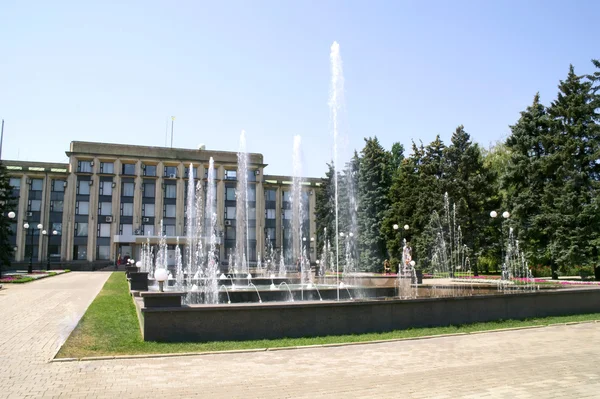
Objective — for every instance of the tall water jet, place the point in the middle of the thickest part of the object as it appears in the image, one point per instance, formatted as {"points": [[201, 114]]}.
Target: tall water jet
{"points": [[336, 96], [211, 288], [298, 213], [178, 267], [191, 234], [241, 208]]}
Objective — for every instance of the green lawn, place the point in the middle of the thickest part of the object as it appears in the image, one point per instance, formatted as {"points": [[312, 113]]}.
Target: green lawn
{"points": [[110, 327]]}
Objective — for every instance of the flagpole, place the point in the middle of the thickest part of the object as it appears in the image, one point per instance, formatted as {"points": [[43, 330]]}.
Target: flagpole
{"points": [[1, 138], [172, 121]]}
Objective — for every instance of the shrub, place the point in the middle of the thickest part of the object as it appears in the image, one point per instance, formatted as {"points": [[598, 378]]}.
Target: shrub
{"points": [[541, 271]]}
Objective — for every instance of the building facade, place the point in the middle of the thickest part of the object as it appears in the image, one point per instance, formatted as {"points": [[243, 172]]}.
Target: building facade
{"points": [[110, 198]]}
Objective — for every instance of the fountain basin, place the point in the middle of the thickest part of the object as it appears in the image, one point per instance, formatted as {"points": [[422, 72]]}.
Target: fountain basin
{"points": [[201, 323]]}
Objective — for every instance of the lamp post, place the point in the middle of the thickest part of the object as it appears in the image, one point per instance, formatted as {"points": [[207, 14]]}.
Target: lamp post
{"points": [[397, 227], [31, 231], [47, 235], [505, 215], [11, 215]]}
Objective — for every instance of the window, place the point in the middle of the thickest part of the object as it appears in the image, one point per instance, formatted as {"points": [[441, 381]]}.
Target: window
{"points": [[148, 229], [54, 250], [287, 214], [57, 227], [127, 229], [82, 208], [126, 209], [271, 233], [251, 213], [103, 252], [170, 171], [169, 230], [230, 233], [58, 186], [83, 187], [194, 173], [170, 191], [230, 174], [37, 184], [103, 229], [149, 170], [81, 229], [148, 210], [287, 196], [206, 173], [251, 175], [169, 211], [149, 190], [56, 206], [230, 193], [15, 182], [107, 167], [128, 169], [252, 193], [270, 213], [128, 189], [35, 205], [80, 252], [106, 187], [252, 233], [105, 208], [84, 166], [230, 212]]}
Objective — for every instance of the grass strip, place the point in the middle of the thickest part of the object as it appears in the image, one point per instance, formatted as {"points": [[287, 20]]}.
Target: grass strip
{"points": [[110, 327]]}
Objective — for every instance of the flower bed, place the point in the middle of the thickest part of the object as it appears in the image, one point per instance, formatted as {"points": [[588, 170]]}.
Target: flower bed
{"points": [[19, 278]]}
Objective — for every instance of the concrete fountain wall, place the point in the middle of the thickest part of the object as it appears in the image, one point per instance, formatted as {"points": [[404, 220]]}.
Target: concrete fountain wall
{"points": [[200, 323]]}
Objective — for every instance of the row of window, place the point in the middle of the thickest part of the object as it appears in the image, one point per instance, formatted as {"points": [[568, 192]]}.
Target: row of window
{"points": [[103, 230], [147, 170]]}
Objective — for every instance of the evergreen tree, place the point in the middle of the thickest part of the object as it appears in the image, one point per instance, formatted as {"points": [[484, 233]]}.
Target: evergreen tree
{"points": [[325, 210], [373, 186], [467, 184], [525, 177], [7, 204], [570, 197]]}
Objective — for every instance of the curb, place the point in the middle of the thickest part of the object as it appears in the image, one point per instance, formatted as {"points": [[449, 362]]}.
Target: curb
{"points": [[332, 345]]}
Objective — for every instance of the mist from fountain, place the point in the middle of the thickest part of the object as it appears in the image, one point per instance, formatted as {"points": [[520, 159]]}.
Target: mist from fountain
{"points": [[298, 213], [241, 208], [179, 275], [336, 96], [211, 289]]}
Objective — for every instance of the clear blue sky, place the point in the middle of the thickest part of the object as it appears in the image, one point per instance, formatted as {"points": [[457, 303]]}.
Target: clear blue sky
{"points": [[114, 71]]}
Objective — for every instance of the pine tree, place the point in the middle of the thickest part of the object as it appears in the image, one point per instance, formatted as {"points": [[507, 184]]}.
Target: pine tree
{"points": [[325, 210], [525, 177], [467, 184], [570, 197], [7, 203], [373, 186]]}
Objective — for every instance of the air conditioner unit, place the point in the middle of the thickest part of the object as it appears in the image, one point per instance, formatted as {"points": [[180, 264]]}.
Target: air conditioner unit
{"points": [[91, 182], [137, 232], [257, 172], [29, 214], [228, 223], [145, 220], [92, 163], [173, 175], [310, 192], [108, 219], [65, 183]]}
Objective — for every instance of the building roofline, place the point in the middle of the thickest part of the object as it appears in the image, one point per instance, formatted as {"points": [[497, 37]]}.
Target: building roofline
{"points": [[140, 151], [30, 166]]}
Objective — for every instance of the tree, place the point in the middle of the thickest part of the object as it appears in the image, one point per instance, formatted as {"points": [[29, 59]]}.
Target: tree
{"points": [[467, 184], [6, 205], [325, 210], [525, 176], [373, 186], [570, 201]]}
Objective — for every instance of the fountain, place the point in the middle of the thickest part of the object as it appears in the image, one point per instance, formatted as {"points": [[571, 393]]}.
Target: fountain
{"points": [[210, 310]]}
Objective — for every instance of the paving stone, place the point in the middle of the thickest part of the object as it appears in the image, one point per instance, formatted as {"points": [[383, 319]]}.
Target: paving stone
{"points": [[532, 363]]}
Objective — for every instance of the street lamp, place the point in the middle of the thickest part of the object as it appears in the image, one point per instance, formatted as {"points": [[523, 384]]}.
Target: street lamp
{"points": [[47, 235], [31, 230], [505, 215], [397, 227]]}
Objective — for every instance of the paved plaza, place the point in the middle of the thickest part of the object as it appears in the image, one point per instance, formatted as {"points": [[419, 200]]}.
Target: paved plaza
{"points": [[36, 318]]}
